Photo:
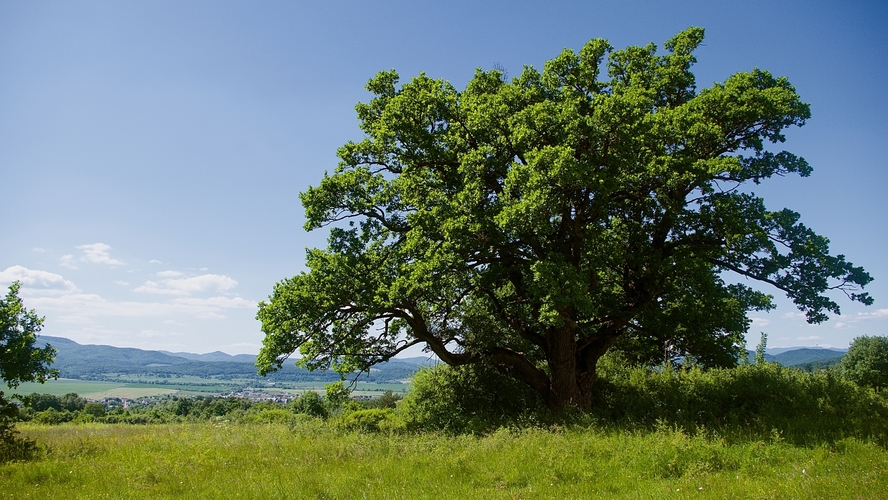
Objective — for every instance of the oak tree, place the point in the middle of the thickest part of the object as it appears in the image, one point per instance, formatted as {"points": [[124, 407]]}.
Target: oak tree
{"points": [[532, 225]]}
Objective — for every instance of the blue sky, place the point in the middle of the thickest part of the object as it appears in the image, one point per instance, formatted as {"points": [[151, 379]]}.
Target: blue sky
{"points": [[151, 153]]}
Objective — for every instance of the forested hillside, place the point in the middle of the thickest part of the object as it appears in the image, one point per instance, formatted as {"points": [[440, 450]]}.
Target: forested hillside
{"points": [[97, 362]]}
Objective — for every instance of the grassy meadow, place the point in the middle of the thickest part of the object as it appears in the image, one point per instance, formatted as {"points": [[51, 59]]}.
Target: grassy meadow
{"points": [[315, 460], [754, 431]]}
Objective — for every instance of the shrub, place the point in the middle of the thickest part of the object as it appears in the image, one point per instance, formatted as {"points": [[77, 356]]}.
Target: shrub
{"points": [[760, 398], [866, 362], [52, 416], [12, 445], [95, 409], [473, 398], [271, 416], [309, 403], [388, 400], [373, 420]]}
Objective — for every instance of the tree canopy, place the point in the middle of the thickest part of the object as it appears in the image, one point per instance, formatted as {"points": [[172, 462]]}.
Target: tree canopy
{"points": [[533, 224], [866, 362], [20, 360]]}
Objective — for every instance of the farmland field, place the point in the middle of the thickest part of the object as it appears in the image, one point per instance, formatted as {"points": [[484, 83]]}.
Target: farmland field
{"points": [[313, 460], [92, 389]]}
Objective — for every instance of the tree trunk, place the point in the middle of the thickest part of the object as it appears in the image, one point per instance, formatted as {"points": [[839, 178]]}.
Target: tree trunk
{"points": [[572, 370], [564, 389]]}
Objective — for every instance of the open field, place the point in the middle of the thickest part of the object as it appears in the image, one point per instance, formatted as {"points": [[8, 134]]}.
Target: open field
{"points": [[94, 390], [360, 389], [312, 460]]}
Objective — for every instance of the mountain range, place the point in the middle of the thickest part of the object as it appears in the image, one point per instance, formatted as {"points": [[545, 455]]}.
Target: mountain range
{"points": [[802, 356], [99, 362]]}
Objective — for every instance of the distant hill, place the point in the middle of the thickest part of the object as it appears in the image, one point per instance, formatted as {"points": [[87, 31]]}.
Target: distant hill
{"points": [[214, 356], [798, 356], [806, 355], [97, 362]]}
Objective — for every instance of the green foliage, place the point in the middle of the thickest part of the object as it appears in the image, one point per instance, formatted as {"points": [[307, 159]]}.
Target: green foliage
{"points": [[20, 361], [472, 398], [336, 394], [866, 362], [754, 399], [272, 416], [760, 349], [388, 400], [533, 224], [309, 403], [68, 402], [12, 445], [209, 460], [373, 420], [52, 416], [95, 409]]}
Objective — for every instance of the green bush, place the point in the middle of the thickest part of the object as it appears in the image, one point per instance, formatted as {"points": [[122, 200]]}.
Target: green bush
{"points": [[271, 416], [52, 416], [758, 398], [373, 420], [388, 400], [12, 445], [95, 409], [309, 403], [866, 362], [473, 398]]}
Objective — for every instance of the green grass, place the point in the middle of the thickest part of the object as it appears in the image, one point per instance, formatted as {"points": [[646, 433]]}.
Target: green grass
{"points": [[313, 460], [85, 388]]}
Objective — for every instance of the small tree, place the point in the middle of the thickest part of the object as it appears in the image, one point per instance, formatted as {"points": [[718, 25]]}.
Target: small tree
{"points": [[20, 361], [760, 350], [866, 362], [95, 409], [309, 403]]}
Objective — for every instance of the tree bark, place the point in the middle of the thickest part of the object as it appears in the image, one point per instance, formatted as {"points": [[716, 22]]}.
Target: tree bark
{"points": [[572, 369], [564, 390]]}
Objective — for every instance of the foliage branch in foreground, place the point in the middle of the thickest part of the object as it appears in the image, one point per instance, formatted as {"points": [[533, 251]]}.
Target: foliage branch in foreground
{"points": [[532, 225]]}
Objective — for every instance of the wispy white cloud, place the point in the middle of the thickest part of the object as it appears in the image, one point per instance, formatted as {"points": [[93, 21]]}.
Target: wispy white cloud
{"points": [[54, 296], [67, 261], [187, 286], [875, 315], [154, 261], [760, 322], [170, 274], [37, 281], [153, 334], [97, 253], [122, 283], [812, 337], [39, 250], [85, 305]]}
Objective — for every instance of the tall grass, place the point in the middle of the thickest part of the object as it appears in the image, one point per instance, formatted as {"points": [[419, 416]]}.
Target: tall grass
{"points": [[759, 431], [313, 460]]}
